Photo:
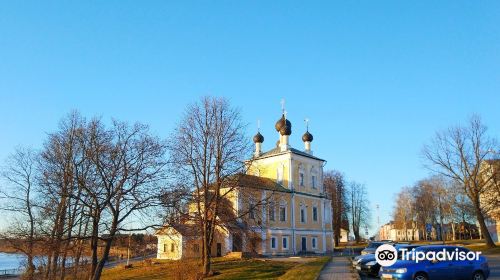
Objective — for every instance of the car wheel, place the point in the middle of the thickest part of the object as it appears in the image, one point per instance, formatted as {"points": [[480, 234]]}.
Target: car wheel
{"points": [[420, 276], [478, 275]]}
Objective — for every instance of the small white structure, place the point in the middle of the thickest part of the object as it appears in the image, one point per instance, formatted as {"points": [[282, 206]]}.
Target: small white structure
{"points": [[344, 235], [390, 232]]}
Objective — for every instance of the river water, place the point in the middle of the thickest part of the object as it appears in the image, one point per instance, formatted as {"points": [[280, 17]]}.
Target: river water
{"points": [[17, 261], [11, 261]]}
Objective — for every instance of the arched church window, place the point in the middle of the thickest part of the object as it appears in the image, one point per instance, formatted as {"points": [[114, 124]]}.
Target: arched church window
{"points": [[301, 175], [303, 213], [279, 175], [283, 211], [314, 176]]}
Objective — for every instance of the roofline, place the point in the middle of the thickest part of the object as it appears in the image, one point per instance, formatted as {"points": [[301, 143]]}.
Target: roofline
{"points": [[286, 152], [293, 192], [311, 195], [257, 188]]}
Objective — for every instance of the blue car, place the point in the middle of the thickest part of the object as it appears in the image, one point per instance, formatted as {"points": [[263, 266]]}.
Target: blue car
{"points": [[431, 270], [369, 266]]}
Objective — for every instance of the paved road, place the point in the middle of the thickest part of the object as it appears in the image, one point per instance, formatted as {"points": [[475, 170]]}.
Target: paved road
{"points": [[124, 261], [494, 263], [339, 268]]}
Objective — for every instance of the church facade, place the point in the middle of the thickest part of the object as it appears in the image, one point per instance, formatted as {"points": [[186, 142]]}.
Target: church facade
{"points": [[281, 200]]}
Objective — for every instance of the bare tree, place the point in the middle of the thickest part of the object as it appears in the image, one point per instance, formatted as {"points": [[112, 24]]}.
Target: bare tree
{"points": [[129, 165], [463, 211], [336, 187], [425, 206], [208, 148], [404, 214], [19, 197], [459, 153], [440, 194], [93, 182], [57, 178], [435, 201], [360, 210]]}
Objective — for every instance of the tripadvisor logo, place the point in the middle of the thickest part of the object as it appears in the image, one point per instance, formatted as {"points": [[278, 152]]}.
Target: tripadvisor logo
{"points": [[386, 255]]}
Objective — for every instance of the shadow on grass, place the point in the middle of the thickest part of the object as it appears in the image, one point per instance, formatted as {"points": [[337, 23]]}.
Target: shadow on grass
{"points": [[226, 269], [306, 271], [251, 269]]}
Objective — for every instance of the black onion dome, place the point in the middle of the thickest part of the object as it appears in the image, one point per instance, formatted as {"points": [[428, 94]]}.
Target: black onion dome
{"points": [[287, 129], [281, 123], [258, 138], [307, 137]]}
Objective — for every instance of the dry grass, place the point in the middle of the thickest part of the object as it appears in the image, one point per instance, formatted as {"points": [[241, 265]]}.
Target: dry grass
{"points": [[224, 269], [251, 269], [485, 251], [144, 270], [306, 271]]}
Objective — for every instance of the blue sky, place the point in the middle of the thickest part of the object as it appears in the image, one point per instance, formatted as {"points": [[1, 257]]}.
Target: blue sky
{"points": [[375, 78]]}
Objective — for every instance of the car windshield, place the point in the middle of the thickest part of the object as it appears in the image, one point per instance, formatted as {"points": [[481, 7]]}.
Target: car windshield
{"points": [[374, 244], [438, 249], [404, 249]]}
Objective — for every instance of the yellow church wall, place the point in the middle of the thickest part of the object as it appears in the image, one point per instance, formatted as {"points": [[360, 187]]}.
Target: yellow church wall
{"points": [[304, 165], [280, 200], [308, 236], [328, 226], [309, 204], [329, 242], [262, 211], [269, 168], [279, 250], [247, 198]]}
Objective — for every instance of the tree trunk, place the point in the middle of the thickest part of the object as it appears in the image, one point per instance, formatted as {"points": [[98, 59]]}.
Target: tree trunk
{"points": [[482, 225], [206, 254], [104, 258], [30, 273], [453, 230], [107, 248], [206, 262], [94, 246], [441, 229], [94, 241], [79, 247]]}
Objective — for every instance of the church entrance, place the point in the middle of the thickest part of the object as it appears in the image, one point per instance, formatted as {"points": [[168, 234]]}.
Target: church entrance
{"points": [[237, 242], [219, 249], [304, 244]]}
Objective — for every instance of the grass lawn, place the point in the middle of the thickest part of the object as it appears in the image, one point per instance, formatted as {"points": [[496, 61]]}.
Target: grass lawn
{"points": [[306, 271], [482, 248], [226, 269], [251, 269], [342, 246]]}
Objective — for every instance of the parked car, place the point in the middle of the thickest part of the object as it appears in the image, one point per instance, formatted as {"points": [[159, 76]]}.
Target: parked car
{"points": [[372, 246], [369, 266], [430, 270], [368, 252], [356, 260]]}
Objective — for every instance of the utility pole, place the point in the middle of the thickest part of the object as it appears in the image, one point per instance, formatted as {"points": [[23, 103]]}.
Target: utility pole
{"points": [[378, 219], [128, 249], [378, 216]]}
